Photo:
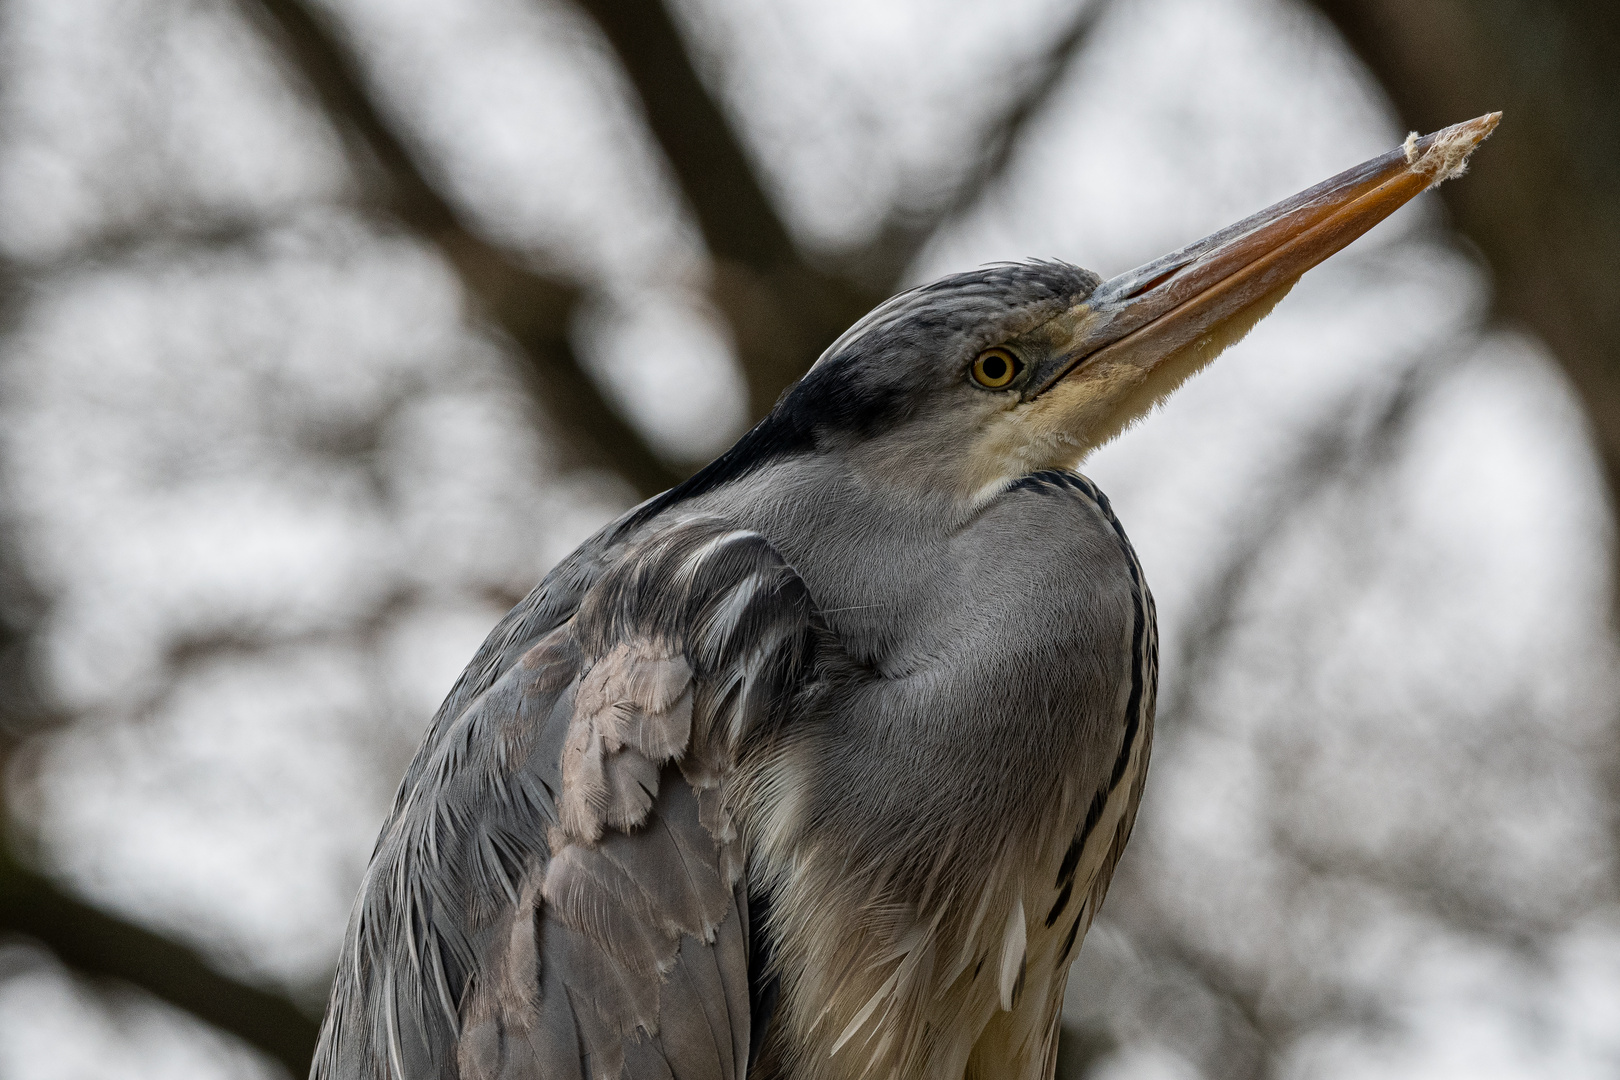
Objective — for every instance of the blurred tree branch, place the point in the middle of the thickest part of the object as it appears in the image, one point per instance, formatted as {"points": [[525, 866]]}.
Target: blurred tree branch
{"points": [[738, 220], [88, 940], [532, 309], [1544, 205], [783, 307], [909, 227], [1335, 453], [783, 311], [92, 942], [102, 946]]}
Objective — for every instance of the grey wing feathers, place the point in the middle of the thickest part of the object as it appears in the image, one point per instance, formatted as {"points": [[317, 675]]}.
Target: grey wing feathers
{"points": [[559, 890]]}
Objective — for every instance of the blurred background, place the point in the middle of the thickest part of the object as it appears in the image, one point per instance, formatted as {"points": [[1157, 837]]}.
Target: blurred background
{"points": [[327, 326]]}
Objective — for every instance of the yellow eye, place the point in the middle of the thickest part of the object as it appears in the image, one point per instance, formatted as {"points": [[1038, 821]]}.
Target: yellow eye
{"points": [[995, 368]]}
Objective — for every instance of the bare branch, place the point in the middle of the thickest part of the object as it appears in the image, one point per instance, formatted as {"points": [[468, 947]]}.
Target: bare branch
{"points": [[319, 52], [93, 942], [783, 309], [532, 310], [737, 218], [1247, 1039], [910, 225], [103, 946], [1541, 205]]}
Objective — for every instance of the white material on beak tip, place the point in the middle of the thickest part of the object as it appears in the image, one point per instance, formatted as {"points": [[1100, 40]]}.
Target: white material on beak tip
{"points": [[1447, 157]]}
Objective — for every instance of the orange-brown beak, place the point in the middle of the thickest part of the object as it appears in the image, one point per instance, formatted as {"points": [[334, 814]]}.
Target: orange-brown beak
{"points": [[1187, 298]]}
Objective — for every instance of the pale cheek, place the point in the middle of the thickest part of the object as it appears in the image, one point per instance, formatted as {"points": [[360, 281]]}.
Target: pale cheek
{"points": [[1056, 430], [1080, 409]]}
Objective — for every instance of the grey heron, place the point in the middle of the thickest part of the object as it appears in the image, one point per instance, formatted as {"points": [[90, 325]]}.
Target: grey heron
{"points": [[817, 766]]}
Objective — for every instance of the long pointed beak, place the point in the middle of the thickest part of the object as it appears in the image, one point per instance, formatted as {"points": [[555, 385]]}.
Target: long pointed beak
{"points": [[1147, 314]]}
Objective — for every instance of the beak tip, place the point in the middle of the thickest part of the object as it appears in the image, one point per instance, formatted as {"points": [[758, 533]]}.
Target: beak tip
{"points": [[1444, 154]]}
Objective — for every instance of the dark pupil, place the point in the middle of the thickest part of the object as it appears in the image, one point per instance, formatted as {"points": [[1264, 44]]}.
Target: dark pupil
{"points": [[994, 368]]}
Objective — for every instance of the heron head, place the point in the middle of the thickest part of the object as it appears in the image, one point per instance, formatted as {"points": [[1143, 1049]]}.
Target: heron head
{"points": [[969, 382]]}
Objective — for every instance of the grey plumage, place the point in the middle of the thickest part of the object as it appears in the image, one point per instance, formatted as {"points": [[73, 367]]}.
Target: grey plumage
{"points": [[559, 867], [818, 766], [670, 725]]}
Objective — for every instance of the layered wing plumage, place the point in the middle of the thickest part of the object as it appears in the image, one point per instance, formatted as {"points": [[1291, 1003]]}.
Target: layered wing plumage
{"points": [[559, 889]]}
